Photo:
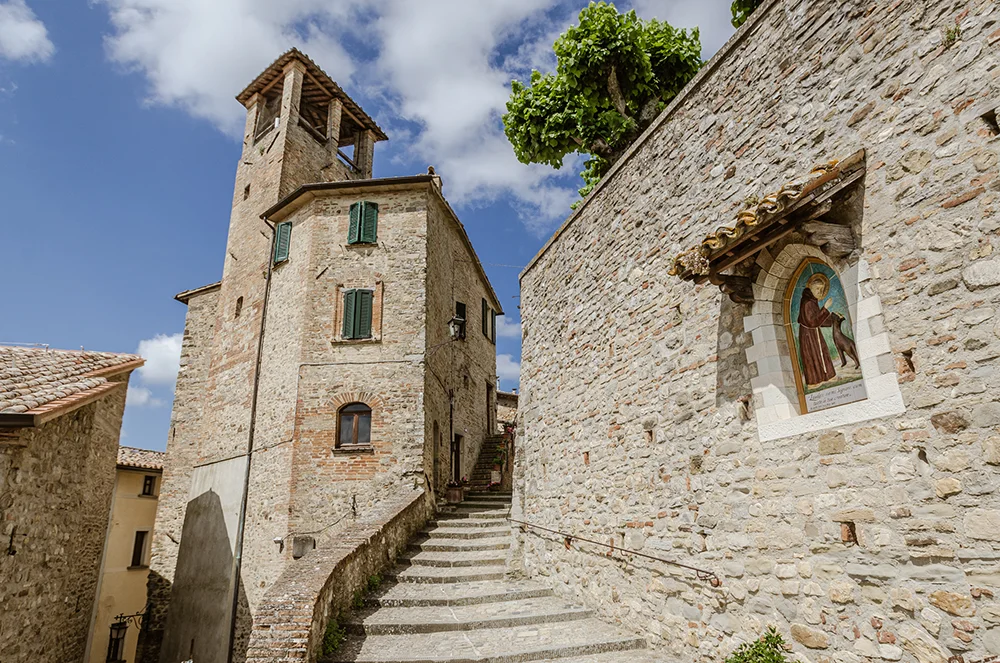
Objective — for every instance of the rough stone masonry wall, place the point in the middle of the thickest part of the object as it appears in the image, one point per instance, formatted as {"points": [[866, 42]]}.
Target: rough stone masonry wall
{"points": [[632, 429], [184, 443], [464, 366], [56, 491]]}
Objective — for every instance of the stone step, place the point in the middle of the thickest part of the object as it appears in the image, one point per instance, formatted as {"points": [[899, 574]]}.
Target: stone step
{"points": [[459, 594], [634, 656], [433, 574], [452, 520], [483, 503], [537, 642], [453, 559], [440, 619], [475, 512], [441, 545], [446, 531]]}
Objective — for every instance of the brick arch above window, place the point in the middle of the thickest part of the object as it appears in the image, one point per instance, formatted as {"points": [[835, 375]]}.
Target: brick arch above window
{"points": [[348, 397]]}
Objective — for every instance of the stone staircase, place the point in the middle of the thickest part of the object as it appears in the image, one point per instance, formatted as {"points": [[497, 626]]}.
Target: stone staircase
{"points": [[448, 600], [481, 473]]}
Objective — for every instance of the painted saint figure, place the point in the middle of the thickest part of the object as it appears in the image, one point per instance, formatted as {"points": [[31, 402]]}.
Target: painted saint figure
{"points": [[817, 366]]}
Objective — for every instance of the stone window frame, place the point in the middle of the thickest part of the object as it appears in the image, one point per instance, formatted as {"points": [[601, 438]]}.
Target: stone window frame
{"points": [[344, 399], [338, 314], [776, 399]]}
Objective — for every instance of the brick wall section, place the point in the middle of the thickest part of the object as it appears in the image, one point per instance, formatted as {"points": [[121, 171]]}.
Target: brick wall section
{"points": [[55, 489], [291, 620], [631, 378]]}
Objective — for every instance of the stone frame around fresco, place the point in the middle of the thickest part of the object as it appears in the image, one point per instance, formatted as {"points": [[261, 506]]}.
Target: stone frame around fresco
{"points": [[776, 402]]}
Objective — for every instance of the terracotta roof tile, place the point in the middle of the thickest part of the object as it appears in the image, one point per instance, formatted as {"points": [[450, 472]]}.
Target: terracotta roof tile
{"points": [[33, 377], [140, 458]]}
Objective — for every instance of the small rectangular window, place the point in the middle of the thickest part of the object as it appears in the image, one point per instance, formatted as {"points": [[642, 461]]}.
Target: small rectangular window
{"points": [[282, 241], [486, 320], [363, 227], [357, 314], [139, 549], [461, 318], [148, 485]]}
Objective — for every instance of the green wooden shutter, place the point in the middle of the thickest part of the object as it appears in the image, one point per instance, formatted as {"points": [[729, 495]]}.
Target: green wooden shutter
{"points": [[364, 326], [354, 232], [282, 242], [369, 222], [493, 326], [486, 320], [349, 308]]}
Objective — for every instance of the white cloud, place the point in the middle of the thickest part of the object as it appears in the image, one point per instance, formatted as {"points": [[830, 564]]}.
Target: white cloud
{"points": [[163, 356], [508, 368], [712, 17], [197, 54], [22, 36], [508, 328], [436, 74], [140, 397]]}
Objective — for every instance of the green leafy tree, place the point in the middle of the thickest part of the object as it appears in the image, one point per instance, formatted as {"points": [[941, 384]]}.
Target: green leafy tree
{"points": [[742, 9], [614, 73]]}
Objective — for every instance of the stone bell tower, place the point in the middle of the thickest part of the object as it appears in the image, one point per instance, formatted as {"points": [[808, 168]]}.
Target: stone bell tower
{"points": [[301, 128]]}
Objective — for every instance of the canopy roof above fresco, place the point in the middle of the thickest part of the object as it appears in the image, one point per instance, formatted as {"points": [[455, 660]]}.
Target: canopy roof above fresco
{"points": [[764, 221]]}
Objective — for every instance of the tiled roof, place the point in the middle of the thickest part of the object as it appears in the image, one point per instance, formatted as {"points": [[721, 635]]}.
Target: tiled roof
{"points": [[40, 380], [140, 458], [757, 216], [276, 68]]}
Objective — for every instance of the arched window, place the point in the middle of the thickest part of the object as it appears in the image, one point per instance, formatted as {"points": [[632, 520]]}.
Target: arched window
{"points": [[821, 338], [354, 425]]}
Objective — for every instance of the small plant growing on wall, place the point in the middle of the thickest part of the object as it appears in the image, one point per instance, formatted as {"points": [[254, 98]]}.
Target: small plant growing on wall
{"points": [[769, 648], [952, 35], [333, 637]]}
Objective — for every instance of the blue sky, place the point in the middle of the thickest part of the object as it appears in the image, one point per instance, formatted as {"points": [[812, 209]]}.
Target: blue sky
{"points": [[119, 136]]}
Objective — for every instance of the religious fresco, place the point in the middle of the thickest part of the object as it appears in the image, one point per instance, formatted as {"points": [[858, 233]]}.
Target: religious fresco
{"points": [[821, 337]]}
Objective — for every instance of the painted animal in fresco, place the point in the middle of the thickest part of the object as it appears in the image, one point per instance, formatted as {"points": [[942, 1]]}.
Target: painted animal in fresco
{"points": [[845, 344]]}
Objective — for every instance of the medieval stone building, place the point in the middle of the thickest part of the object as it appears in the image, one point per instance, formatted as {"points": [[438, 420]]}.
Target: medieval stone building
{"points": [[766, 347], [60, 418], [345, 359]]}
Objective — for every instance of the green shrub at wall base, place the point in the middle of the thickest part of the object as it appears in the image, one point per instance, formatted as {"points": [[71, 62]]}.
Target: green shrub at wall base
{"points": [[333, 638], [769, 648]]}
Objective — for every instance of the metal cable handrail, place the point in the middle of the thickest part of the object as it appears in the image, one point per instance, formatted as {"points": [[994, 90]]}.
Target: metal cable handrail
{"points": [[701, 574]]}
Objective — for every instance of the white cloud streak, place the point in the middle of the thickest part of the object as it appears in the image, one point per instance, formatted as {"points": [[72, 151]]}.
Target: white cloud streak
{"points": [[163, 357], [23, 37], [508, 328], [508, 368], [137, 396]]}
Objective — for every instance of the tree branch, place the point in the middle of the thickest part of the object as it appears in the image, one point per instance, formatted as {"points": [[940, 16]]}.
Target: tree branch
{"points": [[648, 112], [601, 148], [614, 89]]}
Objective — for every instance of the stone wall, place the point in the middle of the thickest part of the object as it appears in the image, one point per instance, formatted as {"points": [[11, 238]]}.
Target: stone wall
{"points": [[291, 621], [863, 541], [184, 444], [463, 368], [56, 484]]}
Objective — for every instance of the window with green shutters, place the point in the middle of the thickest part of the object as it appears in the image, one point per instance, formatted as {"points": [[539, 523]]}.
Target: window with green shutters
{"points": [[357, 314], [364, 223], [282, 241], [486, 319]]}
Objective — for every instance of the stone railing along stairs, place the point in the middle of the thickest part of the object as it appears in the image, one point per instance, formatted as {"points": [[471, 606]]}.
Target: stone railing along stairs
{"points": [[449, 601]]}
